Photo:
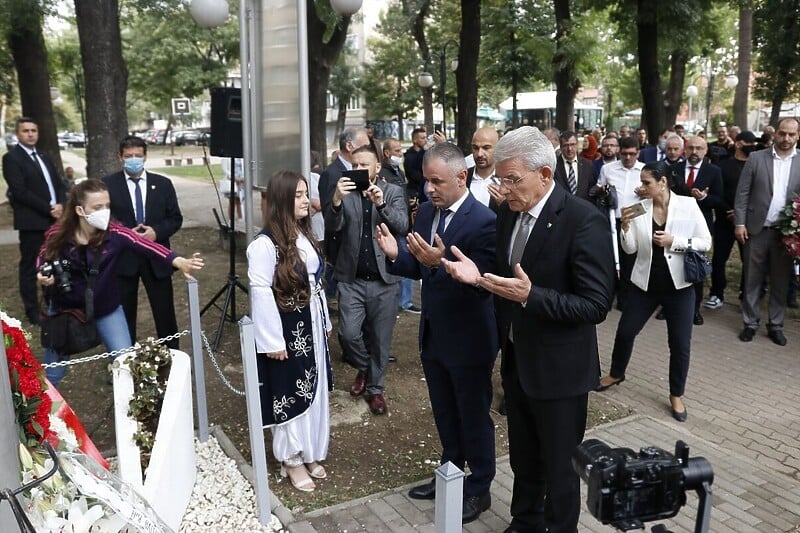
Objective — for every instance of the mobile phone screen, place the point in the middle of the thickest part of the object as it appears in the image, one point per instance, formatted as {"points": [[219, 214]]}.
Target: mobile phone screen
{"points": [[359, 177]]}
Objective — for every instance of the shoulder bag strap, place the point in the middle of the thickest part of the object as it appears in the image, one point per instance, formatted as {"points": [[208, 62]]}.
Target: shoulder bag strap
{"points": [[94, 270]]}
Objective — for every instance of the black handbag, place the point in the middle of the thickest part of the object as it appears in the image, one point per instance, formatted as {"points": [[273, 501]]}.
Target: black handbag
{"points": [[74, 331], [696, 266]]}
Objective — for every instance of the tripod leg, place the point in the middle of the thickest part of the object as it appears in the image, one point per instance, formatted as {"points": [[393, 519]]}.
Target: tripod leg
{"points": [[223, 315]]}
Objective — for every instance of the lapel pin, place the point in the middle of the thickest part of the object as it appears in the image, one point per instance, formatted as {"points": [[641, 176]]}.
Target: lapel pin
{"points": [[153, 187], [549, 225]]}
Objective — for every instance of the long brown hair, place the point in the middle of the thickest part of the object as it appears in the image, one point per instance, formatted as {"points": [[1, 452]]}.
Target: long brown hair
{"points": [[70, 220], [291, 279]]}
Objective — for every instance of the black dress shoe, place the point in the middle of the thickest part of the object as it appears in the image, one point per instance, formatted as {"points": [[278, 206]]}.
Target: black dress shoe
{"points": [[747, 334], [777, 337], [426, 491], [698, 319], [661, 315], [474, 506]]}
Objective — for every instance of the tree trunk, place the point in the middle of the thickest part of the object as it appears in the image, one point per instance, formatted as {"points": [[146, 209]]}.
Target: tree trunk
{"points": [[26, 43], [744, 63], [467, 72], [647, 47], [341, 116], [677, 75], [417, 15], [321, 58], [106, 83], [564, 73], [400, 128]]}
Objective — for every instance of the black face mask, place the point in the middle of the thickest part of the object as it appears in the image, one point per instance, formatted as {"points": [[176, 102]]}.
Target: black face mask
{"points": [[749, 149]]}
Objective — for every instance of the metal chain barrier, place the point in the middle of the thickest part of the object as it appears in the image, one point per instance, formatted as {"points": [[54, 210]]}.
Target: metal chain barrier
{"points": [[216, 366], [174, 336], [114, 353]]}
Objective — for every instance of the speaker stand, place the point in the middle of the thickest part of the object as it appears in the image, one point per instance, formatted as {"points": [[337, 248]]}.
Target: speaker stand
{"points": [[228, 307]]}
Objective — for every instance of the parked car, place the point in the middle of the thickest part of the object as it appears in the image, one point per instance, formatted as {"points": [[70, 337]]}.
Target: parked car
{"points": [[73, 139], [185, 137], [11, 140]]}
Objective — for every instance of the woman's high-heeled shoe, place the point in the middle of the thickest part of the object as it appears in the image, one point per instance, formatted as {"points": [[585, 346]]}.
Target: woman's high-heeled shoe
{"points": [[601, 387], [680, 416], [316, 470], [303, 485]]}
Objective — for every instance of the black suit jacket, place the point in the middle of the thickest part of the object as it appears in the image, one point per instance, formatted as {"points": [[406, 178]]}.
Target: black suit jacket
{"points": [[327, 183], [161, 212], [708, 176], [27, 189], [586, 179], [570, 262]]}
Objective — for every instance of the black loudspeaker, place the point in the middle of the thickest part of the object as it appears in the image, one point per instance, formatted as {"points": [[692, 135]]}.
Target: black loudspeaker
{"points": [[226, 122]]}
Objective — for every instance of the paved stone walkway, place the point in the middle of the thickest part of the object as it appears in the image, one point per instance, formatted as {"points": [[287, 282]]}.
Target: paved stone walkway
{"points": [[742, 402]]}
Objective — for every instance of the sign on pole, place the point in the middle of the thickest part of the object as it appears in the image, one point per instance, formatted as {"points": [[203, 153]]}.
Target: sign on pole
{"points": [[180, 106]]}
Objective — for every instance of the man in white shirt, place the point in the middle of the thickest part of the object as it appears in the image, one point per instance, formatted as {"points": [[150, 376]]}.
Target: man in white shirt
{"points": [[769, 180]]}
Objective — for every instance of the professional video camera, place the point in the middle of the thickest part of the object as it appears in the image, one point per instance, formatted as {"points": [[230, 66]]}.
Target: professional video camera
{"points": [[628, 488], [60, 269]]}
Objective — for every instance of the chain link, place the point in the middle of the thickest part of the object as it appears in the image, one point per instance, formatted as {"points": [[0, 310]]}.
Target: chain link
{"points": [[111, 354], [216, 366]]}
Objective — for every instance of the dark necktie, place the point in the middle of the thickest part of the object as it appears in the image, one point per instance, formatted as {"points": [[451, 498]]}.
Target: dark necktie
{"points": [[521, 238], [139, 201], [690, 179], [440, 226], [571, 181]]}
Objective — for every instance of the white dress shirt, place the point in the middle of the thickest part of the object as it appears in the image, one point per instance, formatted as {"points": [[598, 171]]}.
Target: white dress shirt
{"points": [[781, 168], [479, 187], [624, 180]]}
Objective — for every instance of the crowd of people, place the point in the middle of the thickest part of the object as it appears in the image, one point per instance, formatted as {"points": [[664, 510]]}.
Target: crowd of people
{"points": [[521, 249]]}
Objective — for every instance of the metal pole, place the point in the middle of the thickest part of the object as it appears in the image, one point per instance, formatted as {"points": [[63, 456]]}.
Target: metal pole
{"points": [[443, 87], [9, 440], [248, 166], [449, 498], [197, 360], [305, 121], [257, 448]]}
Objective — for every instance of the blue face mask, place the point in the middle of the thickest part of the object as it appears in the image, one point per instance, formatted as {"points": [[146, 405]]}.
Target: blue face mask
{"points": [[133, 165]]}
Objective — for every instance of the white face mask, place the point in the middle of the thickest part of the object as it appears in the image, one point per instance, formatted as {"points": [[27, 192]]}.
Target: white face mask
{"points": [[99, 219], [396, 160]]}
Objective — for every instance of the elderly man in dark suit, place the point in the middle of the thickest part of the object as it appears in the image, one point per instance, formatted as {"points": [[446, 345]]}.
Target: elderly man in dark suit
{"points": [[700, 179], [573, 172], [554, 283], [37, 195], [769, 180], [147, 203], [367, 292], [457, 333]]}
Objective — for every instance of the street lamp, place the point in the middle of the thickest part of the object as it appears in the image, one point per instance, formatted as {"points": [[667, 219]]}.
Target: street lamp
{"points": [[209, 13], [691, 92], [443, 76], [425, 80]]}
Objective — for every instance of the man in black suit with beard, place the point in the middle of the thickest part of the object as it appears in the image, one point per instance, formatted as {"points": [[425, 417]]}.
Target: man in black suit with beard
{"points": [[554, 283], [147, 203], [37, 195]]}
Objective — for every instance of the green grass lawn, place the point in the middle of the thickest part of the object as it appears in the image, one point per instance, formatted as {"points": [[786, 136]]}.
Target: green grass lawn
{"points": [[197, 172]]}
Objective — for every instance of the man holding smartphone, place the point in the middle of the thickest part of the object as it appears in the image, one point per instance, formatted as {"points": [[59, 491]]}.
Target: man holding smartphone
{"points": [[368, 294]]}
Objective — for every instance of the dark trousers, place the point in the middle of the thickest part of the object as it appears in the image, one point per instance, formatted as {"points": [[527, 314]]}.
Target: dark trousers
{"points": [[678, 308], [162, 303], [626, 262], [461, 397], [30, 242], [542, 436], [723, 244]]}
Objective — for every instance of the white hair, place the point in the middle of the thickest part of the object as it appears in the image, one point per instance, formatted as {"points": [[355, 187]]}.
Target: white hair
{"points": [[529, 145]]}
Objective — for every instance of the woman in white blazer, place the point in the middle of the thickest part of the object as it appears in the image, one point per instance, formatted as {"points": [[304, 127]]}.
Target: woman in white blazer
{"points": [[659, 238]]}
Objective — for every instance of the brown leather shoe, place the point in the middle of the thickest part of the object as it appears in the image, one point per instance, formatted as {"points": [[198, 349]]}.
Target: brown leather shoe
{"points": [[377, 404], [359, 384]]}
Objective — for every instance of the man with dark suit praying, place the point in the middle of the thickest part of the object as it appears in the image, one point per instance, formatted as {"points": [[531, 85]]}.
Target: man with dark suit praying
{"points": [[147, 203], [554, 283], [457, 333], [36, 194]]}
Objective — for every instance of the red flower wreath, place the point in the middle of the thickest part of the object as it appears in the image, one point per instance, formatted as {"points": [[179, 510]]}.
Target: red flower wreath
{"points": [[31, 405]]}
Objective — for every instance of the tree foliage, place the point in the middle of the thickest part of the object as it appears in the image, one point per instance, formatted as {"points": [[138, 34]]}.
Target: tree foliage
{"points": [[390, 89]]}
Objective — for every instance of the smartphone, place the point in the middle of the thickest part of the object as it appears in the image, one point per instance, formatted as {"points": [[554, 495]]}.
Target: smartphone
{"points": [[359, 177], [637, 209]]}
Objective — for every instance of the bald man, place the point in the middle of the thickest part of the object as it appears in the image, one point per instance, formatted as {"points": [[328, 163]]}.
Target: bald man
{"points": [[481, 181]]}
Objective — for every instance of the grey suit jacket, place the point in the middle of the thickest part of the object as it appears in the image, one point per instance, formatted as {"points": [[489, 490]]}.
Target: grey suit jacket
{"points": [[348, 220], [754, 192]]}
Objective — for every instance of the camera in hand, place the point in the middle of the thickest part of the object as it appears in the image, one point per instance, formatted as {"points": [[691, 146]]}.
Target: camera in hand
{"points": [[626, 488], [59, 268], [360, 177]]}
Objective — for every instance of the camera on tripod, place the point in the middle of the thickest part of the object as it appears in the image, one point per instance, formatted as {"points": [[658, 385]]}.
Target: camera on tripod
{"points": [[626, 488], [59, 268]]}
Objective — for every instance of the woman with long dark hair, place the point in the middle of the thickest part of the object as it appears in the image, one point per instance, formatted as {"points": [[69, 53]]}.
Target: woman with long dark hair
{"points": [[83, 231], [285, 266], [659, 237]]}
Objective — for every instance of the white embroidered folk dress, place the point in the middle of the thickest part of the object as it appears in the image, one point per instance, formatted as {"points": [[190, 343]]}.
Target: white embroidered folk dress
{"points": [[305, 438]]}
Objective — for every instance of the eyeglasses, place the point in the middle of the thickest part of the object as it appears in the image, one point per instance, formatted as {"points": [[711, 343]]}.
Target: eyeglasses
{"points": [[511, 183]]}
